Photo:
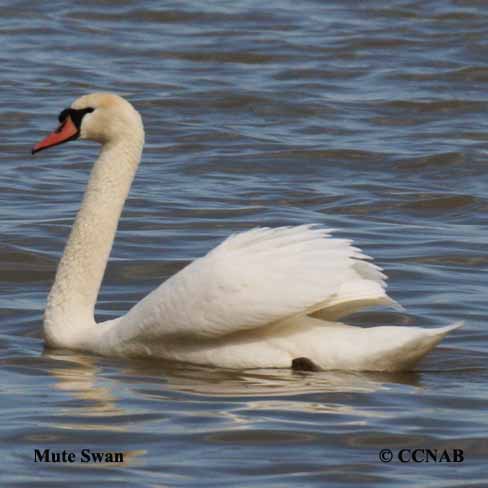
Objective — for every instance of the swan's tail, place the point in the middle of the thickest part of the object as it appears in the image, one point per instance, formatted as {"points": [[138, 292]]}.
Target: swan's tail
{"points": [[333, 345], [412, 345]]}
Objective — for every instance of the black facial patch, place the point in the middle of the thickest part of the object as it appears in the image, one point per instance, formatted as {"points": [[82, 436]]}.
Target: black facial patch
{"points": [[76, 115], [62, 116]]}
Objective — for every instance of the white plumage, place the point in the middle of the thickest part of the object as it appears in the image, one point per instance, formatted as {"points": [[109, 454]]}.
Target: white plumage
{"points": [[253, 279], [248, 302], [262, 298]]}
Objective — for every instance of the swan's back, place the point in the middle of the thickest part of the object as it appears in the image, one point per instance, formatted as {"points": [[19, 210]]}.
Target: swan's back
{"points": [[251, 281]]}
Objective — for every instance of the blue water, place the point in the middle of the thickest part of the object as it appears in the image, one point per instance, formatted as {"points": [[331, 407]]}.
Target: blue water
{"points": [[368, 117]]}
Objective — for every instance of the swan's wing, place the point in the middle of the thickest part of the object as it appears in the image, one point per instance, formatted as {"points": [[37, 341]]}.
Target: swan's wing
{"points": [[254, 279]]}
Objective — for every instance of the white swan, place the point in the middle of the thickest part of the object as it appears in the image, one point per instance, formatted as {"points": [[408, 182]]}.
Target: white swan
{"points": [[266, 298]]}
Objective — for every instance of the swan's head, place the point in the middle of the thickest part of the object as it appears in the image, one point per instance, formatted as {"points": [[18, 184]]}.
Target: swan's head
{"points": [[101, 117]]}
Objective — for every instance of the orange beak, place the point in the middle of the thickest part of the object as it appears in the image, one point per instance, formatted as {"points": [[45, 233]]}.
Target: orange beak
{"points": [[67, 131]]}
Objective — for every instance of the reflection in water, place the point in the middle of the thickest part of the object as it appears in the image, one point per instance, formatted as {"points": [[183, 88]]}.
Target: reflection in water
{"points": [[276, 382], [147, 396], [77, 375]]}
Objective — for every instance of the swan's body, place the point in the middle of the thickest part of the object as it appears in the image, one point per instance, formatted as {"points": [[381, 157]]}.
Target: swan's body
{"points": [[260, 299]]}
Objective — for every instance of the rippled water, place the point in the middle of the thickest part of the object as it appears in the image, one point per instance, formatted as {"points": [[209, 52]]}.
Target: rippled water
{"points": [[369, 117]]}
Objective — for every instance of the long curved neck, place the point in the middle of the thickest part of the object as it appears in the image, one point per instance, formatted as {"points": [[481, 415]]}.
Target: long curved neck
{"points": [[71, 302]]}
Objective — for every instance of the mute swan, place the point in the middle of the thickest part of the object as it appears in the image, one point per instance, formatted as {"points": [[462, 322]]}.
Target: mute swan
{"points": [[265, 298]]}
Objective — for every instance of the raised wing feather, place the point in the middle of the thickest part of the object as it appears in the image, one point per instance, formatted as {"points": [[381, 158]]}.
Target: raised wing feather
{"points": [[251, 280]]}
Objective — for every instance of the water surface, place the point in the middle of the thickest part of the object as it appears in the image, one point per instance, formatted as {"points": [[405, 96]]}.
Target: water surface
{"points": [[367, 117]]}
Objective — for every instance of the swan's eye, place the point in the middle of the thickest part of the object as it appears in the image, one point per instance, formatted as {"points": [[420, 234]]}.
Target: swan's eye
{"points": [[75, 114], [86, 110]]}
